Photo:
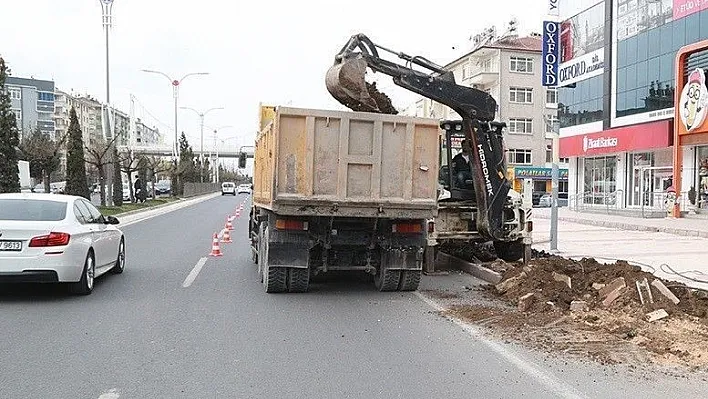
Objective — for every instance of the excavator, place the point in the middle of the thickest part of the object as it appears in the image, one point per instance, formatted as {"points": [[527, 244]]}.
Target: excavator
{"points": [[474, 208]]}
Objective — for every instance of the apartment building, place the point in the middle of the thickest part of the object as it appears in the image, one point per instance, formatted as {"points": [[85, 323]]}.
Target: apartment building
{"points": [[509, 69], [32, 102]]}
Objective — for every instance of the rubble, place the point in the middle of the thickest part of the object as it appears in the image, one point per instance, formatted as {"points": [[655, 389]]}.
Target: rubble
{"points": [[656, 315], [579, 306], [589, 308], [665, 291]]}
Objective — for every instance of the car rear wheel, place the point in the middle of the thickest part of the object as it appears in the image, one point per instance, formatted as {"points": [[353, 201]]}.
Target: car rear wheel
{"points": [[85, 285]]}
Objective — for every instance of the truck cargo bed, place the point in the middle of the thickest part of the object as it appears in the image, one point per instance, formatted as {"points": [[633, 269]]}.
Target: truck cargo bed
{"points": [[332, 163]]}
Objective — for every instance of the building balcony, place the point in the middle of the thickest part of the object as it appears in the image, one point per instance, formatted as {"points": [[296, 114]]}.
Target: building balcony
{"points": [[483, 76]]}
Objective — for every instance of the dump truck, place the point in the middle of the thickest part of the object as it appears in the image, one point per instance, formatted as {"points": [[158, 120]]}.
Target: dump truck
{"points": [[342, 191], [476, 204]]}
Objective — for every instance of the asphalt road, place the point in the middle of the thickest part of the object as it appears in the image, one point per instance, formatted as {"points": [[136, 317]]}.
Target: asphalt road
{"points": [[143, 334]]}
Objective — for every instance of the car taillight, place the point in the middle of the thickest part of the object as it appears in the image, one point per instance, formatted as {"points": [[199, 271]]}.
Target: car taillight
{"points": [[286, 224], [407, 228], [50, 240]]}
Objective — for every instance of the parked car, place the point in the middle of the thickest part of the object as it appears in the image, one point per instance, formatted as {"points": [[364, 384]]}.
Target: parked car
{"points": [[57, 239], [546, 201], [163, 187], [244, 189], [228, 188]]}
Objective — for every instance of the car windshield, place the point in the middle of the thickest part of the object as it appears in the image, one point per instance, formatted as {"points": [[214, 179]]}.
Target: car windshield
{"points": [[32, 210]]}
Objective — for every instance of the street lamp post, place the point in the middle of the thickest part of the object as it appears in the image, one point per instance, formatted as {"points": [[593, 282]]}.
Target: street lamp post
{"points": [[215, 174], [175, 92], [201, 144], [107, 18]]}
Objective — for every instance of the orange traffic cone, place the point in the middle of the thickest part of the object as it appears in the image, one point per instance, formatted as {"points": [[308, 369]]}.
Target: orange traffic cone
{"points": [[226, 238], [238, 213], [229, 226], [215, 250]]}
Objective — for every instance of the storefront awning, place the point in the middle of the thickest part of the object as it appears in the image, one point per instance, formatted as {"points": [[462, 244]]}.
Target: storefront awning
{"points": [[640, 137]]}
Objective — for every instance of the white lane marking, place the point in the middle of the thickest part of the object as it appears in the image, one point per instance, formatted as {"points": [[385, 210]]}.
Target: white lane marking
{"points": [[193, 274], [110, 394], [551, 382]]}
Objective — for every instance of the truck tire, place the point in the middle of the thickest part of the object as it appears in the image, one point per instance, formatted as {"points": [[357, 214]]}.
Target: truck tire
{"points": [[509, 251], [298, 279], [387, 280], [410, 279], [275, 279]]}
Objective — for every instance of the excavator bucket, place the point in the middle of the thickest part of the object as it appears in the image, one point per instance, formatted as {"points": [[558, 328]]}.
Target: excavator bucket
{"points": [[346, 82]]}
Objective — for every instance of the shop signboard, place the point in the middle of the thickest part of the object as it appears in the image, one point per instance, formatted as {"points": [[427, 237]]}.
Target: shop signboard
{"points": [[550, 53], [693, 103], [583, 67], [684, 8], [629, 138], [537, 173]]}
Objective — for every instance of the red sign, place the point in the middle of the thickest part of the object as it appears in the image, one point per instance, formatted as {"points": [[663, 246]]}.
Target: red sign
{"points": [[630, 138], [684, 8]]}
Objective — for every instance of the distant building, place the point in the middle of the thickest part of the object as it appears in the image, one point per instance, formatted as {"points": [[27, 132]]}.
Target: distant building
{"points": [[509, 69], [32, 101], [145, 135]]}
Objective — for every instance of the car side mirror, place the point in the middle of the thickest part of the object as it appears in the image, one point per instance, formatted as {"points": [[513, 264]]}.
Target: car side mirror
{"points": [[111, 220]]}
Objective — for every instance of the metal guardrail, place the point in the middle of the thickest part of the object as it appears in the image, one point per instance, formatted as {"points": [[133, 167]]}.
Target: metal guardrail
{"points": [[653, 204]]}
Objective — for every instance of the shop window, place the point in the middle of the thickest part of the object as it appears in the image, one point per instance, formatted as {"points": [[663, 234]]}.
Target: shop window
{"points": [[563, 186], [600, 181]]}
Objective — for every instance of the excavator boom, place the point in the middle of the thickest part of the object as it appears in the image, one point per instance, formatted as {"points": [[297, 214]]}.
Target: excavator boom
{"points": [[346, 82]]}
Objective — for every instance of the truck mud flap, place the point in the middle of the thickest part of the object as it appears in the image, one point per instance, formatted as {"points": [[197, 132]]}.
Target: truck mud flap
{"points": [[287, 255], [402, 259]]}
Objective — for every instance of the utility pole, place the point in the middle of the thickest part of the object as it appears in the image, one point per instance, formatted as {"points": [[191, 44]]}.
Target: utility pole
{"points": [[554, 185]]}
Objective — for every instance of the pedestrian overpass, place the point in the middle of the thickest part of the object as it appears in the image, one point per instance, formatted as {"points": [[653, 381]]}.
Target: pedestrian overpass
{"points": [[166, 151]]}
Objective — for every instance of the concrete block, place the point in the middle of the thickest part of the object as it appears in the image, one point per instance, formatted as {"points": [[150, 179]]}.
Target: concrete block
{"points": [[656, 315], [510, 283], [562, 278], [665, 291], [525, 302], [598, 286], [613, 295], [612, 286], [578, 306]]}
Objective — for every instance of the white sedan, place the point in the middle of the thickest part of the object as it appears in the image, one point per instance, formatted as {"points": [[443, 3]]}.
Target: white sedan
{"points": [[57, 239]]}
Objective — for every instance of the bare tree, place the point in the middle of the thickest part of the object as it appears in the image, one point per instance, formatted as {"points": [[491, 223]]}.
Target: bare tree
{"points": [[99, 155], [43, 155]]}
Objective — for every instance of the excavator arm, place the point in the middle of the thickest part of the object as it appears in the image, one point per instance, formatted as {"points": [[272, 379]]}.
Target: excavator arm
{"points": [[345, 80]]}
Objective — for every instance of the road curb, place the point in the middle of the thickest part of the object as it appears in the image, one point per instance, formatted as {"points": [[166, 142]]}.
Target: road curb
{"points": [[631, 226], [474, 269], [161, 206]]}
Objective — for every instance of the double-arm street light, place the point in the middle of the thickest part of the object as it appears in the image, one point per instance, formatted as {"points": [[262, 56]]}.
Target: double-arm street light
{"points": [[175, 91], [201, 141]]}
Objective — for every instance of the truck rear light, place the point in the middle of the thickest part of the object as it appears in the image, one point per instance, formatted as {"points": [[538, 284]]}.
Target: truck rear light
{"points": [[407, 228], [431, 227], [529, 226], [50, 240], [289, 224]]}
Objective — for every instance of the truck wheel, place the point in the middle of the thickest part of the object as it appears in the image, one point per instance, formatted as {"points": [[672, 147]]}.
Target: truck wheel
{"points": [[410, 279], [298, 279], [275, 279], [509, 251], [387, 280]]}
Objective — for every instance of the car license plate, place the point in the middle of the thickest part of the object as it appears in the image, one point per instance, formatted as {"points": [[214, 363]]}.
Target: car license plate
{"points": [[10, 245]]}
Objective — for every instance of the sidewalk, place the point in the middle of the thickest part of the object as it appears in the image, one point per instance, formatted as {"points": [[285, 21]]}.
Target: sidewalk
{"points": [[690, 226], [653, 244]]}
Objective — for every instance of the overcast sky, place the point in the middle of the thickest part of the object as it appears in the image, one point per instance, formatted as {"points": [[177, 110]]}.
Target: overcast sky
{"points": [[275, 52]]}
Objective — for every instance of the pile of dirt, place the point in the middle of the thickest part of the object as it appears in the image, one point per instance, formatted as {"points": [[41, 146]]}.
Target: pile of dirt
{"points": [[595, 309]]}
